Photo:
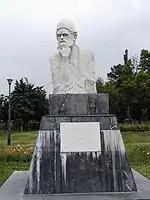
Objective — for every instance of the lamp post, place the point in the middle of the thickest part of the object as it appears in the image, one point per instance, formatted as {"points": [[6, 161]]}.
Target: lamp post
{"points": [[9, 80]]}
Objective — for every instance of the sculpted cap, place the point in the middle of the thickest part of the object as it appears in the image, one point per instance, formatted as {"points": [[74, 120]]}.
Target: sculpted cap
{"points": [[66, 23]]}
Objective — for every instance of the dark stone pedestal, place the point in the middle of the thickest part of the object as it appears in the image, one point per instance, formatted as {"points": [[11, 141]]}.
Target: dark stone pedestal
{"points": [[104, 169], [78, 104]]}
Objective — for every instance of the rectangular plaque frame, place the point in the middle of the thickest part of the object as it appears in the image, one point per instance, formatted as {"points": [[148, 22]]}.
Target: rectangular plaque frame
{"points": [[80, 137]]}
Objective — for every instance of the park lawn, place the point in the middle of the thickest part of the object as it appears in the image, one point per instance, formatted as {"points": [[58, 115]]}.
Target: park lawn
{"points": [[19, 138], [136, 137], [7, 168], [138, 151], [137, 145]]}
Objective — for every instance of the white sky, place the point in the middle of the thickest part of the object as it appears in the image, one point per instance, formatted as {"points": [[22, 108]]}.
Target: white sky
{"points": [[105, 27]]}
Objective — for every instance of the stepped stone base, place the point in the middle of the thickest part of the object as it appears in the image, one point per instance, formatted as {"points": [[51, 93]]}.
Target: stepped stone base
{"points": [[79, 149], [13, 189]]}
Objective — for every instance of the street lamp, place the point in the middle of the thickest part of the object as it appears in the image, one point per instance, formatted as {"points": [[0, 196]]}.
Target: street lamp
{"points": [[9, 80]]}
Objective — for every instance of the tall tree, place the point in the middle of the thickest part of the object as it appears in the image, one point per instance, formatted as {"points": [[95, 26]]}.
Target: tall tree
{"points": [[28, 102], [144, 64], [121, 72], [100, 85], [121, 77], [3, 108]]}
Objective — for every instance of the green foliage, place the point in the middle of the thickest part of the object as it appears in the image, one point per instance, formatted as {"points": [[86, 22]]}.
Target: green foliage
{"points": [[16, 154], [3, 108], [144, 61], [28, 103], [120, 72], [100, 85], [134, 127], [128, 86]]}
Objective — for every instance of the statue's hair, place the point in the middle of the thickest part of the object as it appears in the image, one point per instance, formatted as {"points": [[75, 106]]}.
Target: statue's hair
{"points": [[67, 24]]}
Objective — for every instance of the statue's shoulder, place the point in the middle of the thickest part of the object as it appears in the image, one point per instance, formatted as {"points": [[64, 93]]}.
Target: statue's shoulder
{"points": [[55, 61], [86, 54], [55, 58]]}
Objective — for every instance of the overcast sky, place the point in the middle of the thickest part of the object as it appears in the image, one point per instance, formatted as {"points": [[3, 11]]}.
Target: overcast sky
{"points": [[105, 27]]}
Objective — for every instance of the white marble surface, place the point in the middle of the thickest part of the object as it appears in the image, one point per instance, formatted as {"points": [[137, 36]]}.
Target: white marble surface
{"points": [[72, 69], [80, 137], [113, 141]]}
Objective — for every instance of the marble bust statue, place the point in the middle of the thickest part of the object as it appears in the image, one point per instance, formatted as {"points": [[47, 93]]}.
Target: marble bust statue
{"points": [[72, 69]]}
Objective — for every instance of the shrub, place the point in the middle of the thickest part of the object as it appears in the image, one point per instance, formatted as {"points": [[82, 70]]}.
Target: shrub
{"points": [[16, 154], [134, 127]]}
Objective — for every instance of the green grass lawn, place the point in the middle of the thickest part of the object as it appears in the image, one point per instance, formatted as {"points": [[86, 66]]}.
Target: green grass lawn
{"points": [[138, 151], [16, 157], [21, 138]]}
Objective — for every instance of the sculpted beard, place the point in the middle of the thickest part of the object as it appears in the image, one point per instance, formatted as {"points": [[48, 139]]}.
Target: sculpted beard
{"points": [[65, 51], [65, 48]]}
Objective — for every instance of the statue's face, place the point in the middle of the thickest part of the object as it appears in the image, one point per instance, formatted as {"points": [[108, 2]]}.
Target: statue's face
{"points": [[65, 38]]}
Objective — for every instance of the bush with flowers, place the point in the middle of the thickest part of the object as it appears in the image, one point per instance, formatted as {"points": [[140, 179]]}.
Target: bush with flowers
{"points": [[16, 153]]}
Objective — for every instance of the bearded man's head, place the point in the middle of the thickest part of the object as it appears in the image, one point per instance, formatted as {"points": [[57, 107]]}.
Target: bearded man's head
{"points": [[66, 37]]}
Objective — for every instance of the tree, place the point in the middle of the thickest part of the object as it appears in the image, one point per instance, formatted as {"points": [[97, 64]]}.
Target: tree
{"points": [[135, 64], [141, 103], [3, 108], [100, 85], [121, 72], [144, 64], [28, 103], [120, 87], [129, 87]]}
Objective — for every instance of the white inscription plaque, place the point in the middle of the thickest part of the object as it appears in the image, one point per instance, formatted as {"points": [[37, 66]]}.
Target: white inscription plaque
{"points": [[80, 137]]}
